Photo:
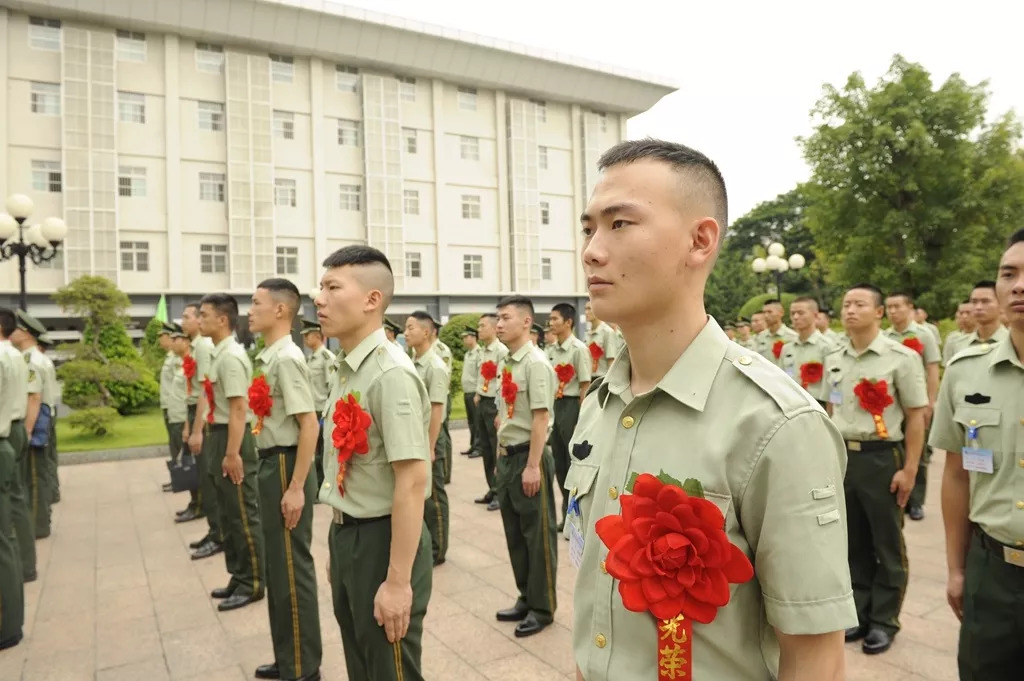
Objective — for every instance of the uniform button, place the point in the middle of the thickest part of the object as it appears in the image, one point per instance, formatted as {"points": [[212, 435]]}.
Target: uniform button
{"points": [[344, 380], [1014, 555], [973, 422], [1020, 505], [628, 421], [744, 360], [613, 493], [1021, 462], [572, 492], [600, 641], [1017, 543], [604, 568]]}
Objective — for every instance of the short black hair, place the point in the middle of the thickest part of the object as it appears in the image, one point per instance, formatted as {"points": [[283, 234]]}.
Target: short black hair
{"points": [[879, 297], [806, 299], [689, 162], [356, 254], [825, 311], [966, 302], [772, 301], [8, 321], [1015, 238], [756, 312], [195, 303], [902, 294], [521, 302], [224, 305], [566, 312], [421, 316], [984, 283], [278, 285], [489, 315]]}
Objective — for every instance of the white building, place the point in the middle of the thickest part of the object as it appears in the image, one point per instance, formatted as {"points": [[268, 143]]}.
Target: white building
{"points": [[204, 145]]}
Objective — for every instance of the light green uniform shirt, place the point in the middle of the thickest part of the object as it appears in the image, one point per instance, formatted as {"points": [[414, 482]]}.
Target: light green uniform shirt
{"points": [[444, 352], [166, 378], [537, 384], [391, 392], [16, 391], [767, 456], [572, 351], [286, 372], [471, 371], [935, 331], [8, 385], [883, 360], [604, 336], [202, 347], [749, 344], [495, 352], [320, 365], [230, 371], [797, 353], [434, 374], [972, 338], [177, 410], [833, 337], [949, 346], [915, 330], [984, 388], [42, 376], [766, 342]]}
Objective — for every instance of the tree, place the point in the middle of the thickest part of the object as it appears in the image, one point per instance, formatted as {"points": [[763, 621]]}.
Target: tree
{"points": [[152, 353], [911, 188]]}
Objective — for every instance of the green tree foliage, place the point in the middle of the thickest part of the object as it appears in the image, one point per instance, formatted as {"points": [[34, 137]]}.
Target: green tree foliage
{"points": [[451, 333], [913, 187], [152, 353], [756, 303]]}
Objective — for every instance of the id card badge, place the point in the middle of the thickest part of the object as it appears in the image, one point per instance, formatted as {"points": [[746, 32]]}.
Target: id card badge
{"points": [[835, 396], [790, 372], [977, 460], [575, 544]]}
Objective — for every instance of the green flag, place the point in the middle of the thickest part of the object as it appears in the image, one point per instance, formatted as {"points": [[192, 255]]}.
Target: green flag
{"points": [[161, 309]]}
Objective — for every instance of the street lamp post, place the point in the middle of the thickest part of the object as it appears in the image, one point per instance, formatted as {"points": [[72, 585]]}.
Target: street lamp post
{"points": [[38, 242], [777, 262]]}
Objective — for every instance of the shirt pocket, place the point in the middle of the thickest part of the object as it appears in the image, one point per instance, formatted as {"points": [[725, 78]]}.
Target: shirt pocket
{"points": [[724, 504], [986, 420], [580, 483]]}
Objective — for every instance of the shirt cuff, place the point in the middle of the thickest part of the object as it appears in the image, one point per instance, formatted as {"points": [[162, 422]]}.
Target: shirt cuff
{"points": [[811, 617]]}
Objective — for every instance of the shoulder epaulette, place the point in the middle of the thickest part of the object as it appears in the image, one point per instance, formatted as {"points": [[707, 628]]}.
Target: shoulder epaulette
{"points": [[770, 379], [594, 385], [976, 350]]}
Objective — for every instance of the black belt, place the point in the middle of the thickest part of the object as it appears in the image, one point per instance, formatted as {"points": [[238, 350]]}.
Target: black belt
{"points": [[486, 397], [871, 445], [217, 427], [512, 450], [567, 397], [273, 451], [17, 421], [345, 520], [1010, 555]]}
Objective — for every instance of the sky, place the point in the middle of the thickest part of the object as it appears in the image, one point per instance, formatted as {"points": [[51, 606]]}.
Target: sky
{"points": [[749, 73]]}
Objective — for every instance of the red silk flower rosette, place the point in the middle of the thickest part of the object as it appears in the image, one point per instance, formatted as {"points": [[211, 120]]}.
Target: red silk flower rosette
{"points": [[596, 353], [777, 348], [811, 373], [672, 557], [208, 390], [188, 365], [509, 390], [914, 344], [565, 372], [260, 401], [488, 371], [874, 397], [349, 436]]}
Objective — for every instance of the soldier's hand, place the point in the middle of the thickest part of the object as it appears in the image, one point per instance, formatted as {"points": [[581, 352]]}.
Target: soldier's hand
{"points": [[231, 467], [195, 442], [476, 400], [955, 594], [292, 503], [531, 480], [902, 485], [392, 608]]}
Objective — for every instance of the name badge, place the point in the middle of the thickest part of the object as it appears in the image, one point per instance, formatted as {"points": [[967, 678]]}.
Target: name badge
{"points": [[836, 396], [977, 460], [790, 372], [575, 544]]}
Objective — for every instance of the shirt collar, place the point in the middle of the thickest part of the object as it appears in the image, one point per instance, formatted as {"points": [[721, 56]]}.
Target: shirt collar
{"points": [[223, 344], [271, 350], [355, 358], [422, 359], [566, 344], [1005, 352], [876, 346], [522, 352], [814, 339]]}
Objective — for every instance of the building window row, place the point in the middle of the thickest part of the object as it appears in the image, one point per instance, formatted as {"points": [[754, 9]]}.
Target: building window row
{"points": [[131, 107], [131, 46], [135, 256], [469, 148], [349, 133], [45, 99], [211, 187], [472, 267], [213, 258], [284, 192], [467, 98], [131, 181], [413, 265], [211, 116], [44, 34], [350, 197], [287, 260], [406, 89], [46, 176], [470, 207], [346, 78], [284, 125], [209, 58], [411, 202], [282, 69]]}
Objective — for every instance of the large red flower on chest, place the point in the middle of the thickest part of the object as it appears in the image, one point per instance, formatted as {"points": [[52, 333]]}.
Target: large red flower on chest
{"points": [[914, 344], [188, 365], [351, 425], [565, 372]]}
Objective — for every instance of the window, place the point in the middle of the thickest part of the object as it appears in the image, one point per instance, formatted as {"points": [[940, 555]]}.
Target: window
{"points": [[472, 267], [470, 207], [56, 263], [282, 69], [131, 107], [467, 98], [284, 125], [284, 192], [211, 116], [135, 256], [211, 187], [348, 133], [407, 89], [46, 99], [351, 197], [542, 110], [413, 265], [131, 46], [46, 176], [44, 34], [209, 58], [346, 78], [411, 140], [411, 202], [213, 258], [545, 213], [131, 181], [542, 157], [287, 260], [469, 148], [545, 269]]}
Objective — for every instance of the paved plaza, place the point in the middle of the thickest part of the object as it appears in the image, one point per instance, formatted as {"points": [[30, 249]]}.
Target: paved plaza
{"points": [[118, 599]]}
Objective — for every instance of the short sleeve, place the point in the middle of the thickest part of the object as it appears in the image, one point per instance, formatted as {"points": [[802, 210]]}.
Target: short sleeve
{"points": [[910, 383], [232, 376], [583, 364], [541, 386], [35, 379], [931, 349], [946, 433], [293, 382], [202, 357], [793, 512], [437, 385], [397, 402]]}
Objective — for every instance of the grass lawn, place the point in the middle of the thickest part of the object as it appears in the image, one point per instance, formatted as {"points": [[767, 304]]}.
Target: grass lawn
{"points": [[458, 407], [138, 430]]}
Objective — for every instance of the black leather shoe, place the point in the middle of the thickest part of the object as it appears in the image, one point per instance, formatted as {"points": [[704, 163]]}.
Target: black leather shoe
{"points": [[529, 627], [208, 549], [516, 613], [10, 642], [178, 514], [268, 671], [467, 452], [199, 542], [474, 455], [494, 505], [856, 634], [168, 487], [439, 561], [485, 499], [239, 601], [188, 516], [877, 641], [31, 577], [916, 513], [226, 592]]}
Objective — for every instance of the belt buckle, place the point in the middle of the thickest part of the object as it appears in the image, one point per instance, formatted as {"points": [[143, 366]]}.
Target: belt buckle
{"points": [[853, 445], [1013, 556], [337, 517], [502, 450]]}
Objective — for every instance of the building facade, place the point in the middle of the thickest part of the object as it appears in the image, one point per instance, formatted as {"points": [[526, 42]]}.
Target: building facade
{"points": [[204, 145]]}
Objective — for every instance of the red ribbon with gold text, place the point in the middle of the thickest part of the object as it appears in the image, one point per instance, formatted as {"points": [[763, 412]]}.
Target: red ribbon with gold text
{"points": [[488, 371], [565, 372], [596, 353], [509, 390], [188, 365], [260, 401], [208, 389]]}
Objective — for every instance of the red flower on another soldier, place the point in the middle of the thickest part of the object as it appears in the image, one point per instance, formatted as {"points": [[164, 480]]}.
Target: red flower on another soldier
{"points": [[874, 397], [509, 390], [914, 344], [811, 373], [777, 348], [596, 353], [260, 401], [565, 372], [188, 365], [349, 436], [488, 371], [208, 389]]}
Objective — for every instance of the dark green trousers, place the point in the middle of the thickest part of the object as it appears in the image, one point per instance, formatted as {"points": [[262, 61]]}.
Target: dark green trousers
{"points": [[51, 451], [318, 459], [24, 522], [175, 442], [992, 631], [567, 413], [530, 533], [471, 421], [239, 513], [38, 488], [877, 553], [291, 577], [485, 414], [435, 508], [446, 437], [921, 481], [12, 588], [206, 495], [359, 565]]}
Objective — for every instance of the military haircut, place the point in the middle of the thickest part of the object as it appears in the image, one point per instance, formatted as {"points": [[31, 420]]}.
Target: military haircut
{"points": [[566, 312], [8, 321], [282, 291], [373, 277], [984, 283], [520, 302], [813, 302], [1015, 238], [194, 304], [877, 292], [224, 305], [902, 294], [771, 301], [489, 315], [424, 319]]}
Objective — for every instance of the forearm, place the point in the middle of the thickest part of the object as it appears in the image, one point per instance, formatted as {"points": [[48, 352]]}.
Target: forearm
{"points": [[236, 426], [955, 512], [933, 383], [584, 387], [538, 436], [35, 402], [406, 518], [202, 407], [914, 439], [817, 657], [434, 429], [309, 431]]}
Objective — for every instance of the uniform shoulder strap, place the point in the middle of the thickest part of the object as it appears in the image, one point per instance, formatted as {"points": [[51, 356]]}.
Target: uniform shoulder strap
{"points": [[771, 380], [976, 350]]}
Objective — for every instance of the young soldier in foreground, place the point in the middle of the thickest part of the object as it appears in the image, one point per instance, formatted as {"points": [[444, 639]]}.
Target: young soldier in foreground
{"points": [[321, 364], [977, 422], [204, 502], [685, 404], [15, 390], [286, 433], [377, 474]]}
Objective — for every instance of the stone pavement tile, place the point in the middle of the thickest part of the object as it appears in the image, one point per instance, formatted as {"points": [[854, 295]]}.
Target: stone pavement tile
{"points": [[521, 667], [935, 631], [332, 663], [253, 651], [62, 601], [501, 578], [74, 575], [127, 604], [127, 642], [484, 602], [440, 662], [473, 639], [471, 558], [553, 646], [60, 665], [191, 652], [450, 579], [12, 661], [175, 614], [252, 620], [912, 657], [152, 669], [73, 632], [122, 576], [440, 606], [164, 584], [231, 673]]}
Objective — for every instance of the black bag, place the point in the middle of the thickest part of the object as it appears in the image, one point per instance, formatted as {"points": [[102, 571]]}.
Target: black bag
{"points": [[41, 431], [184, 473]]}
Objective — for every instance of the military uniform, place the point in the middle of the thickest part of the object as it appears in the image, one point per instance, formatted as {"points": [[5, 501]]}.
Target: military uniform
{"points": [[321, 363], [488, 410], [38, 478], [445, 353], [50, 376], [949, 345], [166, 380], [470, 374], [206, 495], [878, 555], [766, 342], [602, 337], [432, 371], [798, 358], [832, 337], [176, 406], [934, 330], [230, 372], [391, 392], [570, 352], [15, 390], [290, 575], [12, 592], [1001, 333], [979, 413], [529, 522], [767, 456]]}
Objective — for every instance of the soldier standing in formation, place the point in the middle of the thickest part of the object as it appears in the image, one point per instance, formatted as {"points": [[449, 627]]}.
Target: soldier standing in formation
{"points": [[492, 353], [775, 334], [921, 317], [16, 390], [823, 322], [600, 342], [166, 379], [13, 404], [205, 501], [743, 336], [321, 364], [987, 319], [965, 325], [470, 374], [176, 393], [442, 350], [803, 359]]}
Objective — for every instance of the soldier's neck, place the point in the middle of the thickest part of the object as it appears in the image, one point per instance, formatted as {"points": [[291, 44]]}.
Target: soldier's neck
{"points": [[901, 328], [656, 346], [806, 333], [422, 348], [275, 334], [860, 340], [1017, 338], [513, 346], [986, 331], [774, 329], [218, 336], [564, 336]]}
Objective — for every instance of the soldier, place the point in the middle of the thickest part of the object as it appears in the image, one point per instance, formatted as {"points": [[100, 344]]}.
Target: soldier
{"points": [[392, 330], [13, 394], [524, 469], [743, 337], [177, 392], [988, 325], [445, 353], [571, 360], [16, 386], [536, 336], [823, 322], [730, 331], [230, 453], [45, 344], [378, 475], [470, 373], [600, 342], [690, 405], [775, 334], [803, 359], [286, 434], [878, 400], [166, 379], [965, 324], [899, 307], [550, 339], [321, 364], [921, 317], [977, 423], [757, 324], [432, 371], [492, 353]]}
